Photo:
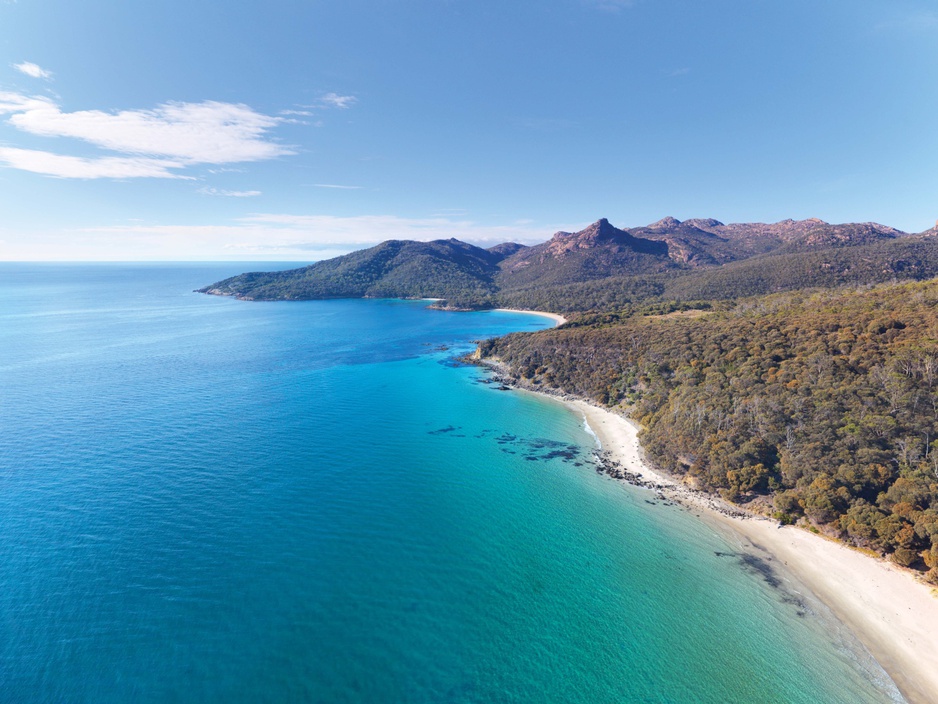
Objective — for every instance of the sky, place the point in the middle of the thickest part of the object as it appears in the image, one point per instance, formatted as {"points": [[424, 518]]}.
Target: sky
{"points": [[295, 130]]}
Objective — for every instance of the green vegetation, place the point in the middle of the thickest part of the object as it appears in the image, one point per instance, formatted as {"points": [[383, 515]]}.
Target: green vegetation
{"points": [[393, 269], [914, 258], [821, 407]]}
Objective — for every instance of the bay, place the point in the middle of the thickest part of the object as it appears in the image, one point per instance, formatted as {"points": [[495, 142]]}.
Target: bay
{"points": [[204, 499]]}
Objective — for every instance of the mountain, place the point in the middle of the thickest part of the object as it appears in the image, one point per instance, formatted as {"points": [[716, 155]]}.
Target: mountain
{"points": [[932, 232], [597, 251], [913, 257], [603, 267], [707, 241], [692, 242], [392, 269], [506, 249]]}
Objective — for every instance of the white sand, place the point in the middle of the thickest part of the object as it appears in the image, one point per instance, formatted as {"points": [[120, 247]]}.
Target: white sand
{"points": [[892, 613], [559, 319]]}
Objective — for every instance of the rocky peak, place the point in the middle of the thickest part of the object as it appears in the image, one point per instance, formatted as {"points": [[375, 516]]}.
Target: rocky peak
{"points": [[705, 224], [667, 223], [598, 235]]}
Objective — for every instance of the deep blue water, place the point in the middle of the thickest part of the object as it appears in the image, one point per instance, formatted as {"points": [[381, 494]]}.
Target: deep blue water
{"points": [[208, 500]]}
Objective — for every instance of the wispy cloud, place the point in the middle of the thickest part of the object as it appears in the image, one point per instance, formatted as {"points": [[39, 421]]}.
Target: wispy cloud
{"points": [[62, 166], [31, 69], [339, 101], [198, 133], [169, 136], [17, 102], [229, 194], [275, 236], [336, 185]]}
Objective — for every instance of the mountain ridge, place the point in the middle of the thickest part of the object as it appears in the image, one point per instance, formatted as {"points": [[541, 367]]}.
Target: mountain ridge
{"points": [[470, 277]]}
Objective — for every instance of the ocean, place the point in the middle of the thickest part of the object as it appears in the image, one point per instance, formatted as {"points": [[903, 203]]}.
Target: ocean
{"points": [[211, 500]]}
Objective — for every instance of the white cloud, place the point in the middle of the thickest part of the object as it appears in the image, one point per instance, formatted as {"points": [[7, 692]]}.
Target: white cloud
{"points": [[170, 136], [16, 102], [230, 194], [339, 101], [337, 186], [199, 133], [31, 69], [62, 166]]}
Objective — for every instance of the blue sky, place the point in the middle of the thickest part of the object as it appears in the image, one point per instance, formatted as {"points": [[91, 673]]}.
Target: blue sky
{"points": [[297, 130]]}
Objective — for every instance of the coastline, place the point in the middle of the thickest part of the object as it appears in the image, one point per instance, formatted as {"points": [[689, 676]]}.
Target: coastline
{"points": [[559, 319], [894, 616]]}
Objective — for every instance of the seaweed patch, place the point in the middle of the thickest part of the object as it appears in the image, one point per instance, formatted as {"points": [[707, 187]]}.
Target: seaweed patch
{"points": [[541, 449]]}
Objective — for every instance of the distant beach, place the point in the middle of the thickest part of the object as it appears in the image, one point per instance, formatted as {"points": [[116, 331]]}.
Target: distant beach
{"points": [[559, 319], [891, 613]]}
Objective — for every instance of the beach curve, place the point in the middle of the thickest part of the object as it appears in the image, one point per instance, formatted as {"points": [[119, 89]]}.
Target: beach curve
{"points": [[889, 611]]}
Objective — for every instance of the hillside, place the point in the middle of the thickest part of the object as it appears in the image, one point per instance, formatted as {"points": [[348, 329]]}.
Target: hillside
{"points": [[818, 407], [392, 269], [598, 251], [603, 267]]}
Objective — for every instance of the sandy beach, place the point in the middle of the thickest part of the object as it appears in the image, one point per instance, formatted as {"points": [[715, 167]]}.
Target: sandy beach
{"points": [[559, 319], [892, 613]]}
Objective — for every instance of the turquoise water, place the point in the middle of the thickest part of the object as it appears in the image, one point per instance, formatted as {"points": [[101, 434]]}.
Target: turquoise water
{"points": [[209, 500]]}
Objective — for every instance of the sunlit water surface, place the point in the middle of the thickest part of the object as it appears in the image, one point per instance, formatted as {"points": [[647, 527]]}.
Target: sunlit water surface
{"points": [[209, 500]]}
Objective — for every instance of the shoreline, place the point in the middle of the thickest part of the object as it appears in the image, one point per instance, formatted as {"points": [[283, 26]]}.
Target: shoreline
{"points": [[556, 317], [892, 614]]}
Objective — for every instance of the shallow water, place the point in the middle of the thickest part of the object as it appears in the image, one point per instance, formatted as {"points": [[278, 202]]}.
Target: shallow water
{"points": [[204, 499]]}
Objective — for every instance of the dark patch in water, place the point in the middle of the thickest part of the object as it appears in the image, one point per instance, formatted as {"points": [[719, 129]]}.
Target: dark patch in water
{"points": [[454, 362], [447, 429], [762, 568], [535, 449], [565, 455]]}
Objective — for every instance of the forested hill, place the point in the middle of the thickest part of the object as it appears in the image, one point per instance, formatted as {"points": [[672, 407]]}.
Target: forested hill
{"points": [[814, 406], [392, 269], [603, 267]]}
